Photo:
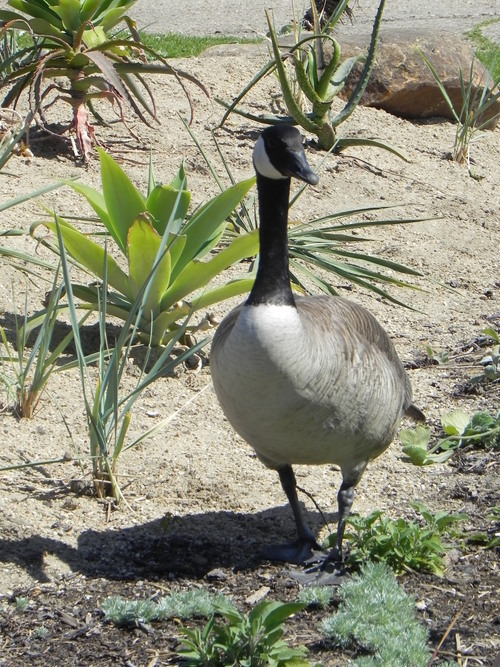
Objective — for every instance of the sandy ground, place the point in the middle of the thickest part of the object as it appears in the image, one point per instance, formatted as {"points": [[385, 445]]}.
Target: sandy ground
{"points": [[196, 483], [234, 17]]}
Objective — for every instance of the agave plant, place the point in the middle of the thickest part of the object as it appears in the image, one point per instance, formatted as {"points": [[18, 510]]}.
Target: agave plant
{"points": [[71, 42], [316, 80], [163, 248]]}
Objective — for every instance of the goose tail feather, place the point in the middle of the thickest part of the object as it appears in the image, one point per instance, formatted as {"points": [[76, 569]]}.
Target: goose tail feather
{"points": [[415, 413]]}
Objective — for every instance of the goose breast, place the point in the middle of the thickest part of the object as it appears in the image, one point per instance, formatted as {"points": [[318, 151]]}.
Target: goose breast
{"points": [[320, 383]]}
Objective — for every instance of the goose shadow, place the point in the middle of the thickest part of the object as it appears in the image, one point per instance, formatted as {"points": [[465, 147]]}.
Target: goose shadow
{"points": [[169, 547]]}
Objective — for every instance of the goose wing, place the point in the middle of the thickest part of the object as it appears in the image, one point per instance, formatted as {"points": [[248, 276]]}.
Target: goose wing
{"points": [[359, 335]]}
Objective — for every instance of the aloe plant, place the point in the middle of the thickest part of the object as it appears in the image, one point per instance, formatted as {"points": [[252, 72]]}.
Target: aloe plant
{"points": [[156, 235], [71, 42], [317, 80]]}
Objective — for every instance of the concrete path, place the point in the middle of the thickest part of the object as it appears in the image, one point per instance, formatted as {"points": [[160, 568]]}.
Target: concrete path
{"points": [[247, 18]]}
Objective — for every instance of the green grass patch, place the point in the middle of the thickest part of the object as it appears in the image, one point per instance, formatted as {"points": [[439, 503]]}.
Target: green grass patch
{"points": [[487, 50], [171, 45], [378, 617], [182, 604], [184, 46]]}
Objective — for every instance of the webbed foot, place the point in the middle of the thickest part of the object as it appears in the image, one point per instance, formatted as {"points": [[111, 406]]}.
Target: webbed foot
{"points": [[325, 570]]}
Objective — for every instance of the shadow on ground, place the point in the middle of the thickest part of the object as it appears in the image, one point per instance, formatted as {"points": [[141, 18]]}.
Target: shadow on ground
{"points": [[191, 545]]}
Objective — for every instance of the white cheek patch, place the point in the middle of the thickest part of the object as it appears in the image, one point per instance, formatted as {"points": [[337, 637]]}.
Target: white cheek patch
{"points": [[262, 162]]}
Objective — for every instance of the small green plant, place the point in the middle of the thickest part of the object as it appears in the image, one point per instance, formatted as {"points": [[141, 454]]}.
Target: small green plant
{"points": [[22, 603], [490, 363], [480, 430], [183, 604], [73, 59], [315, 80], [438, 357], [156, 231], [108, 405], [402, 545], [377, 615], [316, 596], [41, 632], [472, 117], [25, 372], [244, 641]]}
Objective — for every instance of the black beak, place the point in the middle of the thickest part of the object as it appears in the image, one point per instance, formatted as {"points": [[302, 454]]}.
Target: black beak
{"points": [[298, 167]]}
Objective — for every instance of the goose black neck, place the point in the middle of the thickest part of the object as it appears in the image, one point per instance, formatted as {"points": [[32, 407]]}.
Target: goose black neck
{"points": [[272, 283]]}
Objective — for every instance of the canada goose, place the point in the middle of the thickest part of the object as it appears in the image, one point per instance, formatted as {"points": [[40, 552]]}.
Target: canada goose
{"points": [[304, 380]]}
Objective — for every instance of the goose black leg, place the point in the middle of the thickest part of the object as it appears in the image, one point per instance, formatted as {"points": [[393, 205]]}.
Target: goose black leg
{"points": [[345, 499], [305, 548], [329, 570]]}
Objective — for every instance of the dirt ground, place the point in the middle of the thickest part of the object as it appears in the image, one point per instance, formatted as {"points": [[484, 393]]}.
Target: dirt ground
{"points": [[238, 17], [199, 505]]}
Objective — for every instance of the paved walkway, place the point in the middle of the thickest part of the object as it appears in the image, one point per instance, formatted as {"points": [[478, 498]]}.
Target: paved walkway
{"points": [[247, 17]]}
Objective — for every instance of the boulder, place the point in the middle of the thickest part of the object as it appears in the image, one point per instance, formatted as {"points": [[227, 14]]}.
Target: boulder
{"points": [[401, 82]]}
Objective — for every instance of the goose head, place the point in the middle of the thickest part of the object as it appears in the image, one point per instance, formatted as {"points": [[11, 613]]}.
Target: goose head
{"points": [[279, 154]]}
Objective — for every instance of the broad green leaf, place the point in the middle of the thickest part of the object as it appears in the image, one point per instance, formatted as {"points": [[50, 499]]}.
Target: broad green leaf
{"points": [[480, 423], [90, 255], [94, 37], [198, 274], [229, 611], [88, 8], [143, 246], [274, 613], [206, 299], [337, 80], [161, 203], [180, 180], [124, 202], [455, 423], [418, 437], [208, 222], [416, 454], [96, 200], [110, 18], [175, 245], [42, 27], [8, 16], [492, 333], [69, 11], [37, 10]]}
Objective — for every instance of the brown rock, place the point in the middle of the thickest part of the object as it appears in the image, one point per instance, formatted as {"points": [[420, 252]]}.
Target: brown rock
{"points": [[401, 82]]}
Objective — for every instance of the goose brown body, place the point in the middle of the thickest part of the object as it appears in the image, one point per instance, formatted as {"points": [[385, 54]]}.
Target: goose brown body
{"points": [[304, 380]]}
